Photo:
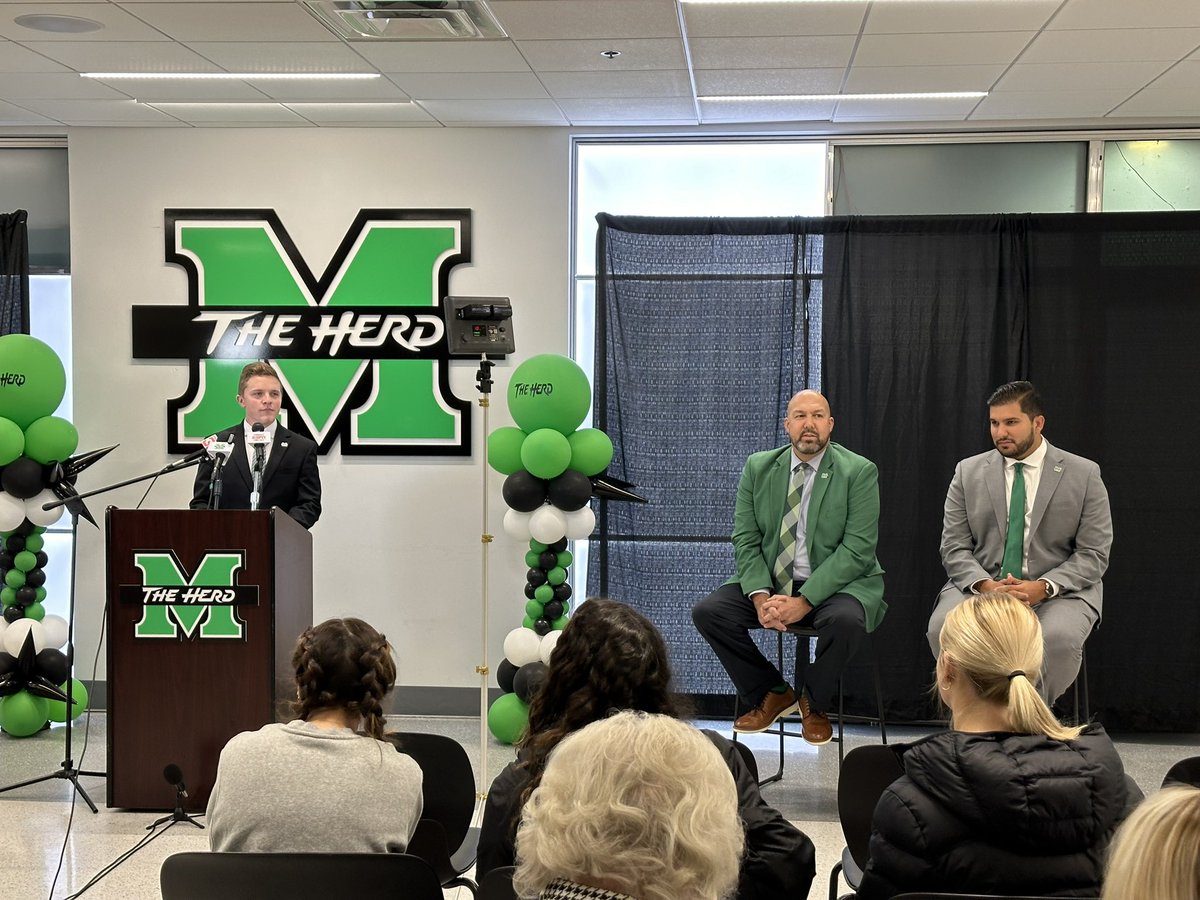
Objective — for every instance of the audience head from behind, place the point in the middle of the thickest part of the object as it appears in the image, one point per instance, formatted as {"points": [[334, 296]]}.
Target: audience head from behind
{"points": [[638, 804], [1157, 850], [990, 660], [344, 669]]}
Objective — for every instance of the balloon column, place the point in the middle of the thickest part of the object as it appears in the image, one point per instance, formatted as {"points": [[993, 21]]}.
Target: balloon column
{"points": [[550, 463], [36, 466]]}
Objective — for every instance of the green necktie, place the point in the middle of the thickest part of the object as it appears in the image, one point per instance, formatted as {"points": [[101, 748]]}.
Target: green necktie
{"points": [[787, 530], [1014, 543]]}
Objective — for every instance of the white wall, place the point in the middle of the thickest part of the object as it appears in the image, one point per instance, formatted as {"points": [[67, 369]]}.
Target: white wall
{"points": [[398, 541]]}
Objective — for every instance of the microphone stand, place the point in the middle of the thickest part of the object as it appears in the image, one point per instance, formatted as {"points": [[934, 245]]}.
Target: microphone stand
{"points": [[178, 815], [214, 489]]}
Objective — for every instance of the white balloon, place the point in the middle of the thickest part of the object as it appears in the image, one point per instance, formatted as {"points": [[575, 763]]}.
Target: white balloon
{"points": [[580, 523], [55, 628], [548, 524], [44, 517], [14, 636], [516, 524], [12, 511], [549, 642], [521, 646], [3, 625]]}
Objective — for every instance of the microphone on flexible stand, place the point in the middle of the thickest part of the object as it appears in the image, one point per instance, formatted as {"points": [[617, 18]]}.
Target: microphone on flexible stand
{"points": [[174, 776]]}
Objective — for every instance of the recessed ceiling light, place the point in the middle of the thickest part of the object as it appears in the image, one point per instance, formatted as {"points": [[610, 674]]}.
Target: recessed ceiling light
{"points": [[235, 76], [784, 98], [610, 54], [58, 24]]}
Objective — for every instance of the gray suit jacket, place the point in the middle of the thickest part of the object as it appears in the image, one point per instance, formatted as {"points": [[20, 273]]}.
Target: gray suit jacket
{"points": [[1071, 527]]}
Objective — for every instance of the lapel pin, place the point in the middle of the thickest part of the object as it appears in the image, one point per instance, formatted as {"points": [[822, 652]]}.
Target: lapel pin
{"points": [[1058, 468], [283, 443], [824, 474]]}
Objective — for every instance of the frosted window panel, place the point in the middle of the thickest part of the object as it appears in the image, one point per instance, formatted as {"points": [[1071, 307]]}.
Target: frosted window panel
{"points": [[959, 179], [1143, 176], [694, 179], [50, 321], [35, 179]]}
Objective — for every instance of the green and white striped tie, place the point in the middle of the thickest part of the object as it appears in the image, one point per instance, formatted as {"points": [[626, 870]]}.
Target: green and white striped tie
{"points": [[787, 530]]}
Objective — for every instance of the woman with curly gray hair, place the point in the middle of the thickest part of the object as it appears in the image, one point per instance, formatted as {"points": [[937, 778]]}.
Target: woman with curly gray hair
{"points": [[636, 805], [318, 783]]}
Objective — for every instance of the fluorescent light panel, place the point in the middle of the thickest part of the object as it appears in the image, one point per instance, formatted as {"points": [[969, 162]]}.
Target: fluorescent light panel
{"points": [[234, 76], [787, 98], [272, 103]]}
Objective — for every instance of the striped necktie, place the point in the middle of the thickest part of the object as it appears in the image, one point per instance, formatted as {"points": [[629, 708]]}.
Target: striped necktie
{"points": [[787, 530], [1014, 542]]}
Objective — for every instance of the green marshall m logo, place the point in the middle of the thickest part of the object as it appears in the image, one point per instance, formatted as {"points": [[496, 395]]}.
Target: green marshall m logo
{"points": [[204, 604], [361, 351]]}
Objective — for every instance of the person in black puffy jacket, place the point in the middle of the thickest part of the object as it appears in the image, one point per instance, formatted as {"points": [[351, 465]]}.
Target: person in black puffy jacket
{"points": [[612, 658], [1010, 801]]}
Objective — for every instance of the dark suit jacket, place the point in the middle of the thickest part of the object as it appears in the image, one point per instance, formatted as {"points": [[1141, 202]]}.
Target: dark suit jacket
{"points": [[843, 527], [291, 480]]}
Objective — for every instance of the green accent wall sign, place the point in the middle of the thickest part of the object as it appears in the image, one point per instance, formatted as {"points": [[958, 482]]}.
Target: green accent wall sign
{"points": [[361, 350]]}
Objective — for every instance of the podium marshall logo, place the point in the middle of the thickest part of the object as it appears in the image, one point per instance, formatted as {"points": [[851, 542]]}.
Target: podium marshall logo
{"points": [[203, 604], [361, 351]]}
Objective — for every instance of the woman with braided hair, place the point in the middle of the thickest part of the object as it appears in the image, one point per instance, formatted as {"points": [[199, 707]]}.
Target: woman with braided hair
{"points": [[611, 658], [1009, 801], [326, 781]]}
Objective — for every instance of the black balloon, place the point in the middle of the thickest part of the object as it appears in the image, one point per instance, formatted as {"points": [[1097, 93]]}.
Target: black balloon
{"points": [[559, 546], [546, 560], [26, 595], [24, 528], [12, 613], [53, 665], [542, 626], [529, 680], [524, 492], [15, 543], [536, 577], [42, 559], [6, 560], [505, 672], [529, 591], [571, 490], [35, 578], [562, 592], [22, 478], [554, 609]]}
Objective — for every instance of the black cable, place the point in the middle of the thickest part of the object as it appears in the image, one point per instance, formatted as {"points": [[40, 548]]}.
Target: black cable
{"points": [[142, 842], [1117, 144], [153, 481]]}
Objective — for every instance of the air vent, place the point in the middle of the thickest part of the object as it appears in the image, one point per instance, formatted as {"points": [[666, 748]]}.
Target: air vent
{"points": [[435, 20]]}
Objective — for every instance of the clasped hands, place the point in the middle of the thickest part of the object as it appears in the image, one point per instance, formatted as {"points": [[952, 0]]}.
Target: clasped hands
{"points": [[778, 611], [1031, 593]]}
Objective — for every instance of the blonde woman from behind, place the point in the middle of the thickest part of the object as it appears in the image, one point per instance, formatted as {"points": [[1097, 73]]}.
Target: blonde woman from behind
{"points": [[1157, 850]]}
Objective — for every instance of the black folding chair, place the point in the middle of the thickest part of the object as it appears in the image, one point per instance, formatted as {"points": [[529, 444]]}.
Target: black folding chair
{"points": [[866, 773]]}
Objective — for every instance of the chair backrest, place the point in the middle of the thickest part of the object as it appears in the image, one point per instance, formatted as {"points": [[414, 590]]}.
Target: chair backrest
{"points": [[924, 895], [747, 756], [448, 783], [497, 885], [866, 774], [1186, 771], [297, 876]]}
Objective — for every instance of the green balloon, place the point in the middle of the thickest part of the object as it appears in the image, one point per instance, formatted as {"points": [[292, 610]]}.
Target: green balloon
{"points": [[41, 594], [564, 559], [35, 379], [35, 611], [557, 575], [549, 391], [591, 451], [543, 592], [22, 714], [8, 596], [504, 449], [533, 609], [537, 546], [527, 622], [507, 718], [56, 710], [560, 623], [14, 578], [531, 559], [12, 441], [25, 561], [50, 439], [546, 453], [34, 543]]}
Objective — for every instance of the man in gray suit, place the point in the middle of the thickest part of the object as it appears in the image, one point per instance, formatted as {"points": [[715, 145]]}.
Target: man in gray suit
{"points": [[1051, 555]]}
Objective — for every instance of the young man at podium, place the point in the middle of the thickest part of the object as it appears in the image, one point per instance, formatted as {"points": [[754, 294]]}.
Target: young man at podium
{"points": [[263, 463]]}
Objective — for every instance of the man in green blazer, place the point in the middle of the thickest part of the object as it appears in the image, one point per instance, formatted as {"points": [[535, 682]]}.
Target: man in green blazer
{"points": [[804, 533]]}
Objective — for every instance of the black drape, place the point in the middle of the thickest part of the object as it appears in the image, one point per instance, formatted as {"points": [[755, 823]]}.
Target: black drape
{"points": [[14, 273]]}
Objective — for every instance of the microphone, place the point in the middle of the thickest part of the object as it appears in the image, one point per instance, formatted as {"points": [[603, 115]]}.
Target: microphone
{"points": [[174, 777], [259, 439], [220, 451]]}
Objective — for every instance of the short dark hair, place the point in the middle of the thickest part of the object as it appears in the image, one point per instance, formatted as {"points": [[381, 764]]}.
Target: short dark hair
{"points": [[1022, 392], [255, 370]]}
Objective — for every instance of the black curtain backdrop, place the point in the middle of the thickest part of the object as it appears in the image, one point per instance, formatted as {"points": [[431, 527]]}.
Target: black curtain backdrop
{"points": [[14, 273], [917, 320]]}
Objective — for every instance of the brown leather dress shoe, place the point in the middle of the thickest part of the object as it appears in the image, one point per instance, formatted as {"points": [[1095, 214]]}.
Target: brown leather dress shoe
{"points": [[815, 726], [763, 716]]}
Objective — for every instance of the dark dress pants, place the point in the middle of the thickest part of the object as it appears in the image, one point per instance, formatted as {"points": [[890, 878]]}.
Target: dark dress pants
{"points": [[726, 616]]}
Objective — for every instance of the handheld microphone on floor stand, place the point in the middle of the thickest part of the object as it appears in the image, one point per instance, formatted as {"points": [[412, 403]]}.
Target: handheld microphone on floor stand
{"points": [[174, 777]]}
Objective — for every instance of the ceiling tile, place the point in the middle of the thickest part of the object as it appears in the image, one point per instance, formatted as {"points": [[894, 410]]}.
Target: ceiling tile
{"points": [[127, 56], [153, 89], [81, 112], [118, 24], [251, 21], [233, 114], [586, 19], [1184, 75], [713, 111], [68, 86], [752, 20], [377, 89], [447, 56], [772, 52], [364, 114], [1130, 45], [1047, 104], [15, 58], [478, 86], [874, 79], [768, 81], [613, 85], [1080, 76], [15, 115], [948, 49], [1126, 14], [917, 16], [905, 110], [1172, 104], [237, 56], [665, 111], [495, 112], [584, 56]]}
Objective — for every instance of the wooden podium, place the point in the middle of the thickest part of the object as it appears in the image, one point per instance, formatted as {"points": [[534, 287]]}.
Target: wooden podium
{"points": [[204, 608]]}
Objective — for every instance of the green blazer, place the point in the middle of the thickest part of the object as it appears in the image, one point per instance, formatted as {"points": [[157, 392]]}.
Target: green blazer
{"points": [[843, 527]]}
